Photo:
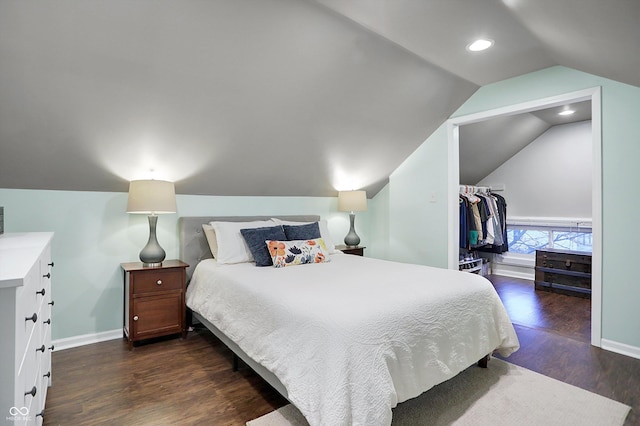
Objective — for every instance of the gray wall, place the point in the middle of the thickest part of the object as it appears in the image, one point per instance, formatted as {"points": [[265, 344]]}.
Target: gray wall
{"points": [[550, 177]]}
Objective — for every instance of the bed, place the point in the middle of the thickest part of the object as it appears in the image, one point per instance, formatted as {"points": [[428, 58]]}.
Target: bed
{"points": [[348, 339]]}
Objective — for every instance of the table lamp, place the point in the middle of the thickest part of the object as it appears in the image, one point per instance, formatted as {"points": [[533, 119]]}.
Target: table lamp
{"points": [[352, 201], [152, 197]]}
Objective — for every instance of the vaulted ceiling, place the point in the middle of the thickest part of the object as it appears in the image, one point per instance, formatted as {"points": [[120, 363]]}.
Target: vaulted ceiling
{"points": [[486, 145], [267, 97]]}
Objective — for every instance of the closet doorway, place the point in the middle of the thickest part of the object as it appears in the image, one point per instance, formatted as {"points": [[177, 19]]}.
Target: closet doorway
{"points": [[592, 95]]}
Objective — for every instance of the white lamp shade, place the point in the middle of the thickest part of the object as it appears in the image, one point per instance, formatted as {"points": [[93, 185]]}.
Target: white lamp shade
{"points": [[352, 201], [151, 197]]}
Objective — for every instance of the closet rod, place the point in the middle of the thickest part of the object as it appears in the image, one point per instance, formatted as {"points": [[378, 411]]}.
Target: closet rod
{"points": [[472, 189]]}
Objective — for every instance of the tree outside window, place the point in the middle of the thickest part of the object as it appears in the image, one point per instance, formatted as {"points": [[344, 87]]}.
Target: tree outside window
{"points": [[528, 239]]}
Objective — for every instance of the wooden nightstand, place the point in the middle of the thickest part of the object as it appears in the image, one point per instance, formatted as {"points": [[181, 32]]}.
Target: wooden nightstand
{"points": [[357, 250], [154, 302]]}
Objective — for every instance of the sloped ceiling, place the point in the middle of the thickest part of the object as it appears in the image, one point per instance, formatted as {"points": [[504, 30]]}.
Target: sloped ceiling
{"points": [[266, 97], [486, 145]]}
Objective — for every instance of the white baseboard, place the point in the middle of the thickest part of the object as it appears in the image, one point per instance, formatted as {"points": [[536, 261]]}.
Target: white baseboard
{"points": [[512, 271], [86, 339], [621, 348]]}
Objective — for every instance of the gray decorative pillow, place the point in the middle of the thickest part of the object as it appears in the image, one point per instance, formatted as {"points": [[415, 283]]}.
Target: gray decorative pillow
{"points": [[256, 241], [309, 231]]}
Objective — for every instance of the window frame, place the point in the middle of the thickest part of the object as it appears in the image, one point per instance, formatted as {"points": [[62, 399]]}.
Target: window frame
{"points": [[550, 225]]}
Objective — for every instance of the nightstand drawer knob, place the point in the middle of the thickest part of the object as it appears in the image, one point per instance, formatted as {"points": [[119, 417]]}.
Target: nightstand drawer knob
{"points": [[51, 264], [41, 348], [32, 392], [40, 292], [41, 413], [47, 321], [47, 276], [51, 303], [33, 318], [51, 347], [135, 318], [48, 375], [159, 282]]}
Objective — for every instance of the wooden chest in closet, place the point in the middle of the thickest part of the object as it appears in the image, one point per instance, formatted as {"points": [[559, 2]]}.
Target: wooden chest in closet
{"points": [[563, 271]]}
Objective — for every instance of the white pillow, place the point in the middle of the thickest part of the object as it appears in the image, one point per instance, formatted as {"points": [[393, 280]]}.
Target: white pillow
{"points": [[324, 231], [210, 233], [232, 248]]}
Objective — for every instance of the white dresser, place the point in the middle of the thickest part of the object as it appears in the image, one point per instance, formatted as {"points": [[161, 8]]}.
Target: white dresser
{"points": [[25, 326]]}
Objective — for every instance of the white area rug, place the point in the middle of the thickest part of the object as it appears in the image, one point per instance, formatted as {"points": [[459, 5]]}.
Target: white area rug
{"points": [[503, 394]]}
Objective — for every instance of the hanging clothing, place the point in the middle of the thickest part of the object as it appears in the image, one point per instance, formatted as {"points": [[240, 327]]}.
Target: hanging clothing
{"points": [[477, 220], [503, 245], [489, 224], [464, 230], [483, 221]]}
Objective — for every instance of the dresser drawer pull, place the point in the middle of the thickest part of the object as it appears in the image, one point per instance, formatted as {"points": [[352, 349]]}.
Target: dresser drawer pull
{"points": [[32, 392], [51, 347], [40, 292], [33, 317], [48, 375], [51, 303], [47, 276], [159, 282], [51, 264], [41, 413], [47, 321], [135, 318], [41, 348]]}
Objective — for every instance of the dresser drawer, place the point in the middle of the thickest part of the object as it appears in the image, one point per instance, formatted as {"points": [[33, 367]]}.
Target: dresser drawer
{"points": [[33, 402], [45, 359], [31, 319], [152, 281], [43, 383], [28, 368], [34, 373]]}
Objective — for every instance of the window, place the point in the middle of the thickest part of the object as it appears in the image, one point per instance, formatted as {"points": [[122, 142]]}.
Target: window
{"points": [[526, 239]]}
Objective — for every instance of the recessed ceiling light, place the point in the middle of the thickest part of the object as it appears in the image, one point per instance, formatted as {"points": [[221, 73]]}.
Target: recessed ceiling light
{"points": [[566, 112], [479, 45]]}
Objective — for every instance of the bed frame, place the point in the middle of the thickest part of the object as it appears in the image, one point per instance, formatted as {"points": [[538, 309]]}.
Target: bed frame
{"points": [[194, 248]]}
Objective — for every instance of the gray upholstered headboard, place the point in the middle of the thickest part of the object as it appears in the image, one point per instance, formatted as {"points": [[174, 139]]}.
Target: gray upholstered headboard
{"points": [[193, 243]]}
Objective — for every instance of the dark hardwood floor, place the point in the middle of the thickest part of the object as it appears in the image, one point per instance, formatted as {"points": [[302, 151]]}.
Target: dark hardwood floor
{"points": [[189, 382], [166, 382], [569, 316], [555, 335]]}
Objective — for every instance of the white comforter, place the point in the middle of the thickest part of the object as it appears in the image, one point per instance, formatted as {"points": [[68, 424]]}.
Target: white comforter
{"points": [[352, 338]]}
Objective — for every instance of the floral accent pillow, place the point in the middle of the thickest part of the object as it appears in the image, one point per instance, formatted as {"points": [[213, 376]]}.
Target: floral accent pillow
{"points": [[297, 252]]}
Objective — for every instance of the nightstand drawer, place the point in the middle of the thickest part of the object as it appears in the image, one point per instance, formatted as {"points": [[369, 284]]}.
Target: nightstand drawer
{"points": [[151, 281]]}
